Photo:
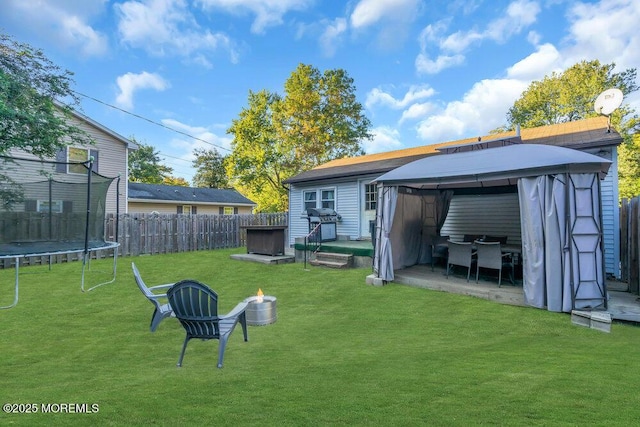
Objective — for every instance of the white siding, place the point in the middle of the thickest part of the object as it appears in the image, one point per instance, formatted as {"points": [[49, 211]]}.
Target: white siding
{"points": [[484, 214], [348, 203]]}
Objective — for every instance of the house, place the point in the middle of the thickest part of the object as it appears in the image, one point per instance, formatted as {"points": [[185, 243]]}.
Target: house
{"points": [[110, 153], [347, 186], [147, 198]]}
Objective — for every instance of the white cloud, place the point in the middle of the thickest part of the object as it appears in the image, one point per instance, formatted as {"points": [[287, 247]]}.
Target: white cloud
{"points": [[417, 111], [384, 139], [481, 110], [537, 65], [607, 31], [129, 83], [203, 139], [167, 27], [268, 12], [392, 18], [426, 65], [519, 15], [65, 23], [330, 38], [415, 93], [370, 12]]}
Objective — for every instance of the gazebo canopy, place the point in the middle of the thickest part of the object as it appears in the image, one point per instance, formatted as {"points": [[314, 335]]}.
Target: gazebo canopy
{"points": [[494, 166]]}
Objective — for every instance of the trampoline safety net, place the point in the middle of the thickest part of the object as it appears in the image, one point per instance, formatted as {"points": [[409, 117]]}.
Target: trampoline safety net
{"points": [[43, 206]]}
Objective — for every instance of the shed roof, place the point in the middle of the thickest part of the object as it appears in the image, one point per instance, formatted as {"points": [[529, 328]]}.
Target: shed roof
{"points": [[580, 134], [192, 195]]}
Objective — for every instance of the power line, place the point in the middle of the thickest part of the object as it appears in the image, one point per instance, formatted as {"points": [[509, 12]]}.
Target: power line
{"points": [[151, 121]]}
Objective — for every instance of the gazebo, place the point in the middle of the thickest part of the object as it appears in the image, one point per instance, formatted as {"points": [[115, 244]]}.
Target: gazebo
{"points": [[560, 213]]}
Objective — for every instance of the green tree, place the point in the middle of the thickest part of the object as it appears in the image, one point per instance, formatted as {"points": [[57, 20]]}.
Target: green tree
{"points": [[259, 163], [172, 180], [210, 170], [629, 168], [145, 166], [317, 120], [32, 118], [569, 96]]}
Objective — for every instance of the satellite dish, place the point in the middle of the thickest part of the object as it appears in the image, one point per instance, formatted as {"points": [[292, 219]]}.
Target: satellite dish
{"points": [[607, 102]]}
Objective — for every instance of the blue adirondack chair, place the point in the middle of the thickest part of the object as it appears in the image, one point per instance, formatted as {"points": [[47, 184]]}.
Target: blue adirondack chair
{"points": [[162, 307], [195, 305]]}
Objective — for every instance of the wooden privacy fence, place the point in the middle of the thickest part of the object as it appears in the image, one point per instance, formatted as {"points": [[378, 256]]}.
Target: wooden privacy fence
{"points": [[169, 233], [149, 234], [629, 243]]}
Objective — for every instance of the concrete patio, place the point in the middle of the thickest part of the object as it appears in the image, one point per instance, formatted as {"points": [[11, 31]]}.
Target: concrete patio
{"points": [[622, 305]]}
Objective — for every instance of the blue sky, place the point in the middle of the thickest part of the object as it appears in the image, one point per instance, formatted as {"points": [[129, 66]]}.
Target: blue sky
{"points": [[425, 71]]}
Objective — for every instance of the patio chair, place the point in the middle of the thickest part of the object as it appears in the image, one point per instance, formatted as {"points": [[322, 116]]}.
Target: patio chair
{"points": [[196, 307], [490, 256], [461, 254], [438, 248], [162, 307]]}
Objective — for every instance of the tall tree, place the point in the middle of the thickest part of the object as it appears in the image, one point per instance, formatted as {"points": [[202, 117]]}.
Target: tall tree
{"points": [[32, 118], [259, 162], [172, 180], [317, 120], [568, 96], [145, 166], [210, 171]]}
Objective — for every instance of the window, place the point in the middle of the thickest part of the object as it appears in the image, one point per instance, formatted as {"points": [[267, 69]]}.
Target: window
{"points": [[186, 209], [370, 197], [310, 198], [228, 210], [43, 206], [77, 155], [328, 199]]}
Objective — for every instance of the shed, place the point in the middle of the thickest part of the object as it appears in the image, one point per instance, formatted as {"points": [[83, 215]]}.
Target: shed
{"points": [[560, 210]]}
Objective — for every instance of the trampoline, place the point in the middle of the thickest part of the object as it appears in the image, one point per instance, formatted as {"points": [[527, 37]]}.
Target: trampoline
{"points": [[50, 208]]}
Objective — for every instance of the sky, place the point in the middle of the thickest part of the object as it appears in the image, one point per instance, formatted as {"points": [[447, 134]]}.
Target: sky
{"points": [[173, 74]]}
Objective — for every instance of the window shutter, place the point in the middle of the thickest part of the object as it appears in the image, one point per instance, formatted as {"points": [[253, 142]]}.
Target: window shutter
{"points": [[235, 210], [30, 205], [179, 209], [194, 210], [221, 210], [61, 156], [94, 154], [67, 206]]}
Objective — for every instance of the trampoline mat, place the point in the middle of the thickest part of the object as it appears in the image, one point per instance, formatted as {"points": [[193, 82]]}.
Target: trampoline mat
{"points": [[35, 248]]}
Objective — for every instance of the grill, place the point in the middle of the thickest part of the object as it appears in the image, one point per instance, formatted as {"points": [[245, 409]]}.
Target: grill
{"points": [[327, 218]]}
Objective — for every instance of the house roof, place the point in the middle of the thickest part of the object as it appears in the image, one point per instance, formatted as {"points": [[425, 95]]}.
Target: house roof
{"points": [[580, 134], [139, 192]]}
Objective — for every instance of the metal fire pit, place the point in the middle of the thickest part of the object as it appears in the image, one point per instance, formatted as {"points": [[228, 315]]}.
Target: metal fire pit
{"points": [[261, 313]]}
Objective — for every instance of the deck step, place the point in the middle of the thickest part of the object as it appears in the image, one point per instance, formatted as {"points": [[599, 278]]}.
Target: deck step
{"points": [[333, 260]]}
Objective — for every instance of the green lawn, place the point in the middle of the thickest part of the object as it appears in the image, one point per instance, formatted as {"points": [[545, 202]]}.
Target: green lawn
{"points": [[340, 353]]}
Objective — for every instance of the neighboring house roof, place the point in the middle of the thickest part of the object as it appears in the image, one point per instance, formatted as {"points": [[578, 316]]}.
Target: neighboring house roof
{"points": [[159, 193], [580, 134]]}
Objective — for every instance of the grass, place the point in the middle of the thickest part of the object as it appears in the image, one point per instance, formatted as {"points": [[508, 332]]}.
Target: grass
{"points": [[340, 353]]}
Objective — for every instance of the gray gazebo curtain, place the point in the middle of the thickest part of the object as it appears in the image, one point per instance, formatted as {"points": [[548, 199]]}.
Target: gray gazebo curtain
{"points": [[562, 241], [383, 254], [406, 220]]}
